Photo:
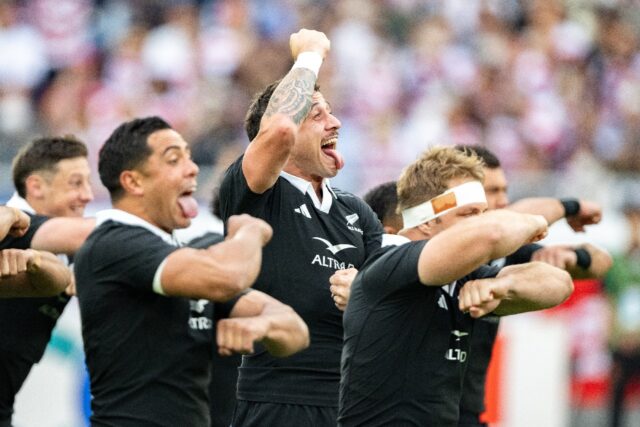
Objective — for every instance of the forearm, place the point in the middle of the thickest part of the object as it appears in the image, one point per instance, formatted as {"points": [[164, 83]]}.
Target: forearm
{"points": [[509, 231], [550, 208], [46, 276], [474, 242], [599, 262], [217, 273], [287, 332], [533, 286], [292, 97]]}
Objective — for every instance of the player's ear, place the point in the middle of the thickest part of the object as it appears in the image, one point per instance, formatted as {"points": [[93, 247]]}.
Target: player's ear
{"points": [[426, 228], [35, 186], [131, 182]]}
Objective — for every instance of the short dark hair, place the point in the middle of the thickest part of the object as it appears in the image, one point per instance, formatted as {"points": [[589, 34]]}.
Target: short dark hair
{"points": [[383, 200], [43, 155], [216, 208], [257, 108], [125, 149], [489, 159]]}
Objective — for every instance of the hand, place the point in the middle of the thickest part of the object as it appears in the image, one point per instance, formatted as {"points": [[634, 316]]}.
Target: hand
{"points": [[70, 290], [589, 213], [16, 224], [560, 256], [258, 226], [238, 335], [16, 261], [341, 286], [542, 228], [482, 296], [309, 41]]}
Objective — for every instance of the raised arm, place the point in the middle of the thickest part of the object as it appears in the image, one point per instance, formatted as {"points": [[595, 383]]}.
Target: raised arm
{"points": [[13, 222], [289, 104], [581, 261], [516, 289], [30, 273], [62, 235], [577, 212], [221, 271], [460, 249], [257, 317]]}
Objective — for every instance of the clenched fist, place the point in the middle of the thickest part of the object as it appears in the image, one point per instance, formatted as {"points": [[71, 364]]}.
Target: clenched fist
{"points": [[309, 41]]}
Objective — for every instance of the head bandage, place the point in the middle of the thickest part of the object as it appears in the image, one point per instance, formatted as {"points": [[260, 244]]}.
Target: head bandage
{"points": [[464, 194]]}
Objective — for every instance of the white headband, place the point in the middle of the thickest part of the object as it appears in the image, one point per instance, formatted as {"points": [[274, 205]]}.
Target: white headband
{"points": [[464, 194]]}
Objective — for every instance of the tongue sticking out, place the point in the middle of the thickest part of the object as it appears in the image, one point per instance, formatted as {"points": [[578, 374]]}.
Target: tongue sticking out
{"points": [[337, 157], [189, 206]]}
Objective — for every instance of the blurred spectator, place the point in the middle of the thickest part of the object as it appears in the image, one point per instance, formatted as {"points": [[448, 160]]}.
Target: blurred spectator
{"points": [[623, 287], [543, 83]]}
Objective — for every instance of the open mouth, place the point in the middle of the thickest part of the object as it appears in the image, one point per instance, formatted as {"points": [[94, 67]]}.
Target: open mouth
{"points": [[330, 143], [188, 204], [328, 147]]}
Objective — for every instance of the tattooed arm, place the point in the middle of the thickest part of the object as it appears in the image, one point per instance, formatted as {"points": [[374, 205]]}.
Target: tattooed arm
{"points": [[287, 107]]}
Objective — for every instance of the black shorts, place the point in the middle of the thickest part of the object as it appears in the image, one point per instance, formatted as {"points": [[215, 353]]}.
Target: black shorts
{"points": [[260, 414]]}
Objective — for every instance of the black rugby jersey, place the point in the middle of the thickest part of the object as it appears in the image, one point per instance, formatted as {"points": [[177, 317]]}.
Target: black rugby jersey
{"points": [[25, 328], [309, 244], [406, 345], [484, 335], [148, 355]]}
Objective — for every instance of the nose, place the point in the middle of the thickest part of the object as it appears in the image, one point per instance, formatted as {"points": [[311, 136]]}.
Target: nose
{"points": [[502, 200], [334, 123], [86, 194], [192, 168]]}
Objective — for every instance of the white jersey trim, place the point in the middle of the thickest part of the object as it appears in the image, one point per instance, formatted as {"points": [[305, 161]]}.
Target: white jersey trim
{"points": [[20, 203], [305, 187]]}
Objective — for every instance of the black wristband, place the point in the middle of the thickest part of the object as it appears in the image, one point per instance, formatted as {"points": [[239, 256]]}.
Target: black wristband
{"points": [[571, 207], [584, 258]]}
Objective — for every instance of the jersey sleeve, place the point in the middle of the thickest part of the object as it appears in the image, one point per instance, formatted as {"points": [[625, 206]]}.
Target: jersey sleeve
{"points": [[235, 195], [523, 254], [395, 270], [206, 240], [24, 242], [223, 309], [484, 272], [130, 256]]}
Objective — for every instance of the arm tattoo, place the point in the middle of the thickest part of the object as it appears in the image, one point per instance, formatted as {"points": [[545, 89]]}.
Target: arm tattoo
{"points": [[293, 95]]}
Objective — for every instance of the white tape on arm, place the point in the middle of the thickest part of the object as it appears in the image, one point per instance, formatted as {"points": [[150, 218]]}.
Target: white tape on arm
{"points": [[157, 283], [309, 60]]}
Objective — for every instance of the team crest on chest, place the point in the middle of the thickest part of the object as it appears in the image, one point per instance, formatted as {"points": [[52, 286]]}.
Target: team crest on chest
{"points": [[351, 223]]}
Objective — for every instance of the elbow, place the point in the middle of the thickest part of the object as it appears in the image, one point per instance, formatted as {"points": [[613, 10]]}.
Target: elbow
{"points": [[566, 285], [227, 287]]}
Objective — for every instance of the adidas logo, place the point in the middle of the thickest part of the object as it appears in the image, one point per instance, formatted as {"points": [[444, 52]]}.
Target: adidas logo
{"points": [[442, 303], [302, 210]]}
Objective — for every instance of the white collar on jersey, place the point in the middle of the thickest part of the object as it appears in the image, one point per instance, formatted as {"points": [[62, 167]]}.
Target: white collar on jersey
{"points": [[20, 203], [305, 187], [123, 217]]}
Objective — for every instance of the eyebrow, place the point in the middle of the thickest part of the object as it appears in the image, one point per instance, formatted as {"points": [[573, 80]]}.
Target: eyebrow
{"points": [[171, 147]]}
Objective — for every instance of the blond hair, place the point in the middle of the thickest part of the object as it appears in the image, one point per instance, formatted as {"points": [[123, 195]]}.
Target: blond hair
{"points": [[430, 175]]}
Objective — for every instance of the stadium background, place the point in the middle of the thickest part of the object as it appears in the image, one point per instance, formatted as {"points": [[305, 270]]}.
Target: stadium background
{"points": [[553, 87]]}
